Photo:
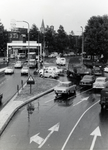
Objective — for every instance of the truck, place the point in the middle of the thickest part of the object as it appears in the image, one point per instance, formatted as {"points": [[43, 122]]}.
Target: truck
{"points": [[32, 63], [77, 70], [104, 99]]}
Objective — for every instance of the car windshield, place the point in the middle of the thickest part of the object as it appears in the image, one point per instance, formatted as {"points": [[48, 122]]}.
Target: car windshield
{"points": [[18, 62], [64, 84], [87, 77], [100, 80], [25, 67]]}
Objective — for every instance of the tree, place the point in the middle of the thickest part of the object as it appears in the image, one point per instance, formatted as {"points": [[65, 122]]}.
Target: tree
{"points": [[3, 40], [34, 33], [50, 39], [96, 36], [62, 39]]}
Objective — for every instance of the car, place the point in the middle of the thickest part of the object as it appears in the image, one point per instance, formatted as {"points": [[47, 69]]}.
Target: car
{"points": [[21, 55], [87, 80], [104, 99], [32, 63], [61, 61], [42, 70], [48, 74], [55, 69], [18, 64], [97, 71], [12, 56], [65, 89], [100, 83], [106, 69], [9, 70], [25, 70]]}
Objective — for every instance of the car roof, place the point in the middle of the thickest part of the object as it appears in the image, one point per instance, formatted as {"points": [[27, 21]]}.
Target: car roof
{"points": [[101, 77], [65, 82], [88, 75]]}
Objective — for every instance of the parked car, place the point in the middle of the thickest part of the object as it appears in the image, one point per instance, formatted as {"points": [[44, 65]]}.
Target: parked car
{"points": [[104, 99], [18, 64], [25, 70], [87, 80], [97, 71], [9, 70], [65, 89], [48, 74], [55, 69], [100, 83], [61, 61], [106, 69]]}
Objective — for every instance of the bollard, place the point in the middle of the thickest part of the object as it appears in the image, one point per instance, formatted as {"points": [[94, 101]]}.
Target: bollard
{"points": [[18, 89]]}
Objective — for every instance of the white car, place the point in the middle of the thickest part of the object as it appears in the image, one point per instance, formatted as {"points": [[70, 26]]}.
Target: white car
{"points": [[106, 69], [25, 70], [9, 70], [100, 83], [47, 74], [18, 64], [61, 61], [65, 89], [55, 69]]}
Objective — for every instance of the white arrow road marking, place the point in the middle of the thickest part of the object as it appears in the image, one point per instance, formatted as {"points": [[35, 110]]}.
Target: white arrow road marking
{"points": [[70, 134], [95, 133], [52, 129], [37, 139], [84, 99]]}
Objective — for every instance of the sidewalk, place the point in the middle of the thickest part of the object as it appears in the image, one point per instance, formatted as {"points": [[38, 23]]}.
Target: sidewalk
{"points": [[24, 97]]}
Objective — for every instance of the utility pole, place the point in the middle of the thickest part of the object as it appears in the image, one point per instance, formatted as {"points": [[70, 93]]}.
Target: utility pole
{"points": [[82, 44]]}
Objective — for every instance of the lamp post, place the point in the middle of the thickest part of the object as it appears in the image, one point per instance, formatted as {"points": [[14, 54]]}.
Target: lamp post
{"points": [[38, 53], [28, 37], [82, 43]]}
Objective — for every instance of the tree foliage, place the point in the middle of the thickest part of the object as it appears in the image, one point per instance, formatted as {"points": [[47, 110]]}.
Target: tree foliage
{"points": [[96, 36]]}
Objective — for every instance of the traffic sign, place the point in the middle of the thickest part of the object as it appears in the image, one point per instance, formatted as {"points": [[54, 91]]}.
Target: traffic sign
{"points": [[30, 80]]}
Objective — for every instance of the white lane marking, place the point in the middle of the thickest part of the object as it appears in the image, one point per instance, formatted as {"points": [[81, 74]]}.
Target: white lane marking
{"points": [[95, 133], [64, 145], [84, 99], [49, 101], [39, 140], [52, 129]]}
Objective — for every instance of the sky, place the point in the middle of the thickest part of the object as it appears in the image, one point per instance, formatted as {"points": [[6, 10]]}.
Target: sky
{"points": [[71, 14]]}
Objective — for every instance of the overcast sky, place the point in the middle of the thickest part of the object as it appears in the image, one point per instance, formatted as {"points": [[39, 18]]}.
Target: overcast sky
{"points": [[71, 14]]}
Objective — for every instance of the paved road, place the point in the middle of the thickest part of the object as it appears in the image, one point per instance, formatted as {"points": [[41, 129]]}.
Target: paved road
{"points": [[9, 86], [73, 125]]}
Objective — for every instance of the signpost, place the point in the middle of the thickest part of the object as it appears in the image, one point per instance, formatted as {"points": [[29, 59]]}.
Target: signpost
{"points": [[30, 81]]}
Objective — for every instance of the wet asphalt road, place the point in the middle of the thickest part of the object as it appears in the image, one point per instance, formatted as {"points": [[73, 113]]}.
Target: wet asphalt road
{"points": [[9, 86], [73, 125], [80, 125]]}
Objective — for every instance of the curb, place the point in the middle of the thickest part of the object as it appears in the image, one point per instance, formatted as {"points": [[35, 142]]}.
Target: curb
{"points": [[28, 101]]}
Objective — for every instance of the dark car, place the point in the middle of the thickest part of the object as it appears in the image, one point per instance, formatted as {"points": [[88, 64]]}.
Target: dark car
{"points": [[97, 71], [104, 99], [87, 80]]}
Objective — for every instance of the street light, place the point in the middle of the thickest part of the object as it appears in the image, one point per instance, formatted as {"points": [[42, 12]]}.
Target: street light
{"points": [[38, 52], [28, 36], [82, 43]]}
